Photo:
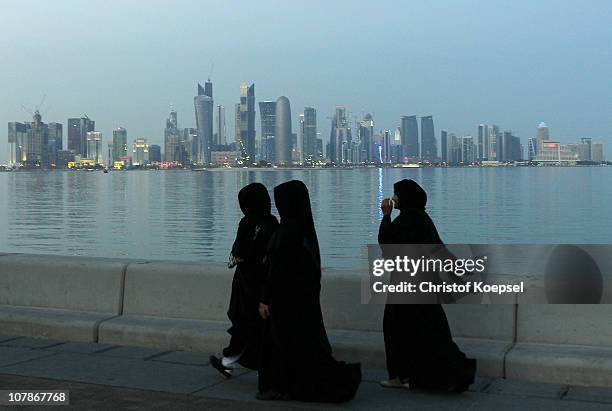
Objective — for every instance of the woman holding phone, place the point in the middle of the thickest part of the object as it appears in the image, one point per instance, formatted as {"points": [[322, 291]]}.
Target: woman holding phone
{"points": [[419, 348]]}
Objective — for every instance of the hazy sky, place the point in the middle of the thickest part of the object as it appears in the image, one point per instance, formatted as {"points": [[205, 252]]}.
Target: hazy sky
{"points": [[512, 63]]}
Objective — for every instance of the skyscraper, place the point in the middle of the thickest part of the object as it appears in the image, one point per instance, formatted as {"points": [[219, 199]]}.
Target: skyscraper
{"points": [[366, 138], [282, 134], [119, 144], [237, 125], [184, 153], [597, 153], [221, 127], [410, 137], [309, 135], [246, 130], [485, 146], [331, 146], [467, 150], [586, 149], [77, 134], [387, 146], [513, 150], [429, 145], [531, 149], [542, 134], [140, 152], [154, 153], [37, 139], [339, 136], [267, 115], [480, 147], [454, 149], [55, 143], [204, 108], [444, 145], [208, 88], [489, 134], [94, 146], [17, 141]]}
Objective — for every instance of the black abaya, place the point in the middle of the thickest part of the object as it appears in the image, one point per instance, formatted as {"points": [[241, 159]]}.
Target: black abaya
{"points": [[418, 344], [249, 254], [297, 357]]}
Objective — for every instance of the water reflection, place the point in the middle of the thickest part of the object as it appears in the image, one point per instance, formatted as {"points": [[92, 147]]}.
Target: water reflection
{"points": [[194, 215]]}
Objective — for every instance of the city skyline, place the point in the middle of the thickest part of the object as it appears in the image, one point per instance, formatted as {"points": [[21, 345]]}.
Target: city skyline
{"points": [[36, 143], [524, 85]]}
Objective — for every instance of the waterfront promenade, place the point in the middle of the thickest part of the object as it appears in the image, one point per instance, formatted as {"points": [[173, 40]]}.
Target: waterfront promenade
{"points": [[145, 325], [110, 377]]}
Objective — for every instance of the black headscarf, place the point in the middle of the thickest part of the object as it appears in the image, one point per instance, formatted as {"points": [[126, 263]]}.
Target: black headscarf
{"points": [[255, 201], [410, 195], [293, 205]]}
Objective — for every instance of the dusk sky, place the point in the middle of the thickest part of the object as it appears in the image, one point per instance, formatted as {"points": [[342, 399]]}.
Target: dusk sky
{"points": [[512, 63]]}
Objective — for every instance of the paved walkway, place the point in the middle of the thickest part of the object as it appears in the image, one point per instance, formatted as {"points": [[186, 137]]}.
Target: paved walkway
{"points": [[109, 377]]}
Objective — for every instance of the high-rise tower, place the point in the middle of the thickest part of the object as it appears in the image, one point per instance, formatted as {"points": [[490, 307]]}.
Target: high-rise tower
{"points": [[410, 137], [267, 114], [339, 136], [309, 135], [221, 127], [120, 147], [429, 145], [77, 134], [246, 132], [283, 135], [204, 108], [366, 138], [542, 134]]}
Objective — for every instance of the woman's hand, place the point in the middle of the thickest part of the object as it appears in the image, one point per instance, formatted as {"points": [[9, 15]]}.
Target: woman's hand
{"points": [[386, 207], [264, 311]]}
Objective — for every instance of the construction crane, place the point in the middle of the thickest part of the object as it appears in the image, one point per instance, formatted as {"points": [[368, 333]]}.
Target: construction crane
{"points": [[38, 108]]}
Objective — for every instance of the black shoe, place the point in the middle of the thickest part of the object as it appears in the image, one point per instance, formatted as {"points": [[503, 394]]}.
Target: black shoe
{"points": [[218, 365]]}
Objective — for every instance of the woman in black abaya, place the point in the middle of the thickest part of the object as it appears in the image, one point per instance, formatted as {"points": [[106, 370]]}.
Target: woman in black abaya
{"points": [[297, 360], [419, 347], [248, 255]]}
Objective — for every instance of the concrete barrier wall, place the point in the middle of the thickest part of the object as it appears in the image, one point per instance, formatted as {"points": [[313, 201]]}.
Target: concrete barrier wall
{"points": [[72, 283], [182, 305], [198, 291], [201, 291], [565, 324]]}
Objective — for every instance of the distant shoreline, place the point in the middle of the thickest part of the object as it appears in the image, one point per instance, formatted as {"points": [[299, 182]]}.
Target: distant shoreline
{"points": [[281, 169]]}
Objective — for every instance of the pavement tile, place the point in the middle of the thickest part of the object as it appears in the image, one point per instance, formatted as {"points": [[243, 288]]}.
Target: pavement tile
{"points": [[595, 394], [139, 353], [184, 357], [480, 383], [488, 402], [31, 342], [102, 397], [80, 347], [242, 388], [8, 337], [14, 355], [371, 396], [526, 388], [377, 375], [121, 372]]}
